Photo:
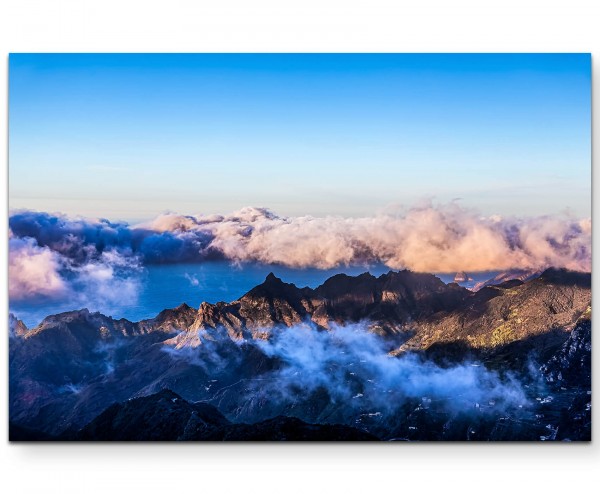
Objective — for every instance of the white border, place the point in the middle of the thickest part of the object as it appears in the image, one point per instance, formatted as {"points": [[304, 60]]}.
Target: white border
{"points": [[293, 26]]}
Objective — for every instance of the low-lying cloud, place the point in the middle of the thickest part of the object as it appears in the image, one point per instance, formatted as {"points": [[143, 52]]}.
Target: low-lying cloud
{"points": [[354, 367], [433, 239]]}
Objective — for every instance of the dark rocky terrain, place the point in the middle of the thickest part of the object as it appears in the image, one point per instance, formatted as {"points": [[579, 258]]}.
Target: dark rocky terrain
{"points": [[356, 358], [165, 416]]}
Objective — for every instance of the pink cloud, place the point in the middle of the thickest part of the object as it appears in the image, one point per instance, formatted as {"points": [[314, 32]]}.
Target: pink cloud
{"points": [[33, 270]]}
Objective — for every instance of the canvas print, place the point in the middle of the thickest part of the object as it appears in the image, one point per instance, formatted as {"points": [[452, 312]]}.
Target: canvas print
{"points": [[299, 247]]}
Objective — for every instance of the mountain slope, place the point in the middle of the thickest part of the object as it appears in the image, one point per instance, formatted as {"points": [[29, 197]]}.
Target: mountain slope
{"points": [[165, 416], [541, 310]]}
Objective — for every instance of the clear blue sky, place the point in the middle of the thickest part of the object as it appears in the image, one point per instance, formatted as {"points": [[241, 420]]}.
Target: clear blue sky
{"points": [[130, 136]]}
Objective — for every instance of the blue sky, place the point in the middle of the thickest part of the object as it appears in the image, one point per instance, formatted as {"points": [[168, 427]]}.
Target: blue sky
{"points": [[130, 136]]}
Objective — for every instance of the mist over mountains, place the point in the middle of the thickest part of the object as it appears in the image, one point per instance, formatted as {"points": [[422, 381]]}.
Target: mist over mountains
{"points": [[399, 356], [54, 255]]}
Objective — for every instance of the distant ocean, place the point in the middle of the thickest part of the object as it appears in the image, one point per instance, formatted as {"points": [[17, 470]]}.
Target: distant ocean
{"points": [[169, 285]]}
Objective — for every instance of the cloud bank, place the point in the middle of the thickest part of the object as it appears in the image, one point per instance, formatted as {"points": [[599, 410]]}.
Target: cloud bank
{"points": [[33, 270], [354, 367], [70, 269], [44, 248]]}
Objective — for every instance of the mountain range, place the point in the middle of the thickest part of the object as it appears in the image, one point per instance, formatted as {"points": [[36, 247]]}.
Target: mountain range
{"points": [[399, 356]]}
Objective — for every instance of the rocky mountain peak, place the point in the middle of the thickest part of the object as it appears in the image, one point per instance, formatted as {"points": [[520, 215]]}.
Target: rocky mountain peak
{"points": [[273, 288], [271, 278], [16, 327]]}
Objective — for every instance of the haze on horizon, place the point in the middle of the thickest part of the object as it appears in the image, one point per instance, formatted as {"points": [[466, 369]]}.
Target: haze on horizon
{"points": [[131, 136]]}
